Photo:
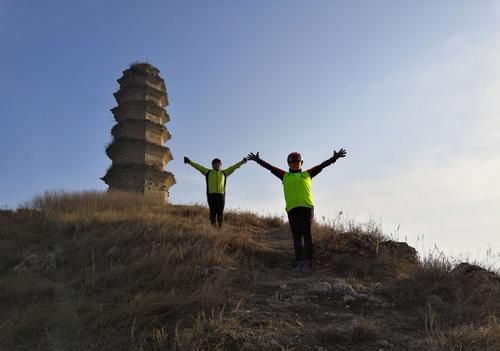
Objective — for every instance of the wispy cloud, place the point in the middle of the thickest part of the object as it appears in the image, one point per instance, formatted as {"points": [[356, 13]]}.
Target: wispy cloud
{"points": [[446, 115]]}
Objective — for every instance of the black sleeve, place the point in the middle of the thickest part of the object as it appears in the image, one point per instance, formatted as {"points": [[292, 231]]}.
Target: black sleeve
{"points": [[274, 170], [317, 169]]}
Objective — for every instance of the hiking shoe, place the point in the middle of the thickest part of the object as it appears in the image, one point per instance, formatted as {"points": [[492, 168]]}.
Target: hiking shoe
{"points": [[299, 266], [307, 267]]}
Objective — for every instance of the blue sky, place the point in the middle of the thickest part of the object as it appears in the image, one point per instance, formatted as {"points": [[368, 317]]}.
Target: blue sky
{"points": [[410, 89]]}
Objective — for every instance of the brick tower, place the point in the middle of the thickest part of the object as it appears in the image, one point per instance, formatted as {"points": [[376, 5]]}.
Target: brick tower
{"points": [[137, 153]]}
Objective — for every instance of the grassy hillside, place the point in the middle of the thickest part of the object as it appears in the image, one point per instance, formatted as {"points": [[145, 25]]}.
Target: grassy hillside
{"points": [[112, 272]]}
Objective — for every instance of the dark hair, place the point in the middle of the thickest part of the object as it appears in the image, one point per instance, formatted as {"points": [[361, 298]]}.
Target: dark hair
{"points": [[294, 156], [216, 160]]}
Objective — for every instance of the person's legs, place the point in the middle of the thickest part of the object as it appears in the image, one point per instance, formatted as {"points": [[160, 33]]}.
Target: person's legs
{"points": [[307, 219], [212, 206], [300, 219], [221, 201], [294, 221]]}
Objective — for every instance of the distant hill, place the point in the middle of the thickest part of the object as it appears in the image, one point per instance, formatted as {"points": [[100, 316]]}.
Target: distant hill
{"points": [[94, 271]]}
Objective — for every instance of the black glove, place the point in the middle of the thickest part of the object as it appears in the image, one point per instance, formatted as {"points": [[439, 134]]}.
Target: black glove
{"points": [[337, 155], [253, 157], [244, 160], [186, 160]]}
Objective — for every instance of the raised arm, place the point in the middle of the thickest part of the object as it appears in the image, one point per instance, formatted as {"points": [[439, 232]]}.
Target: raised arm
{"points": [[234, 167], [317, 169], [274, 170], [196, 166]]}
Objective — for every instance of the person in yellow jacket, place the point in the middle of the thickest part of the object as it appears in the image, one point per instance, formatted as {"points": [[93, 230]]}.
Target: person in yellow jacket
{"points": [[216, 186], [299, 201]]}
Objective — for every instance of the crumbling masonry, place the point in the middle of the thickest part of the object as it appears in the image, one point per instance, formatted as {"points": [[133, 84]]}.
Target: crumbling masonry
{"points": [[138, 156]]}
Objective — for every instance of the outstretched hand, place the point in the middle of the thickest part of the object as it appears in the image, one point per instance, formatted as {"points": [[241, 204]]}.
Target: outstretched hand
{"points": [[253, 157], [339, 154], [244, 160], [186, 160]]}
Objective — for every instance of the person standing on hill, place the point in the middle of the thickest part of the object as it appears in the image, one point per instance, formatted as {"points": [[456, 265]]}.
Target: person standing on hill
{"points": [[216, 186], [299, 202]]}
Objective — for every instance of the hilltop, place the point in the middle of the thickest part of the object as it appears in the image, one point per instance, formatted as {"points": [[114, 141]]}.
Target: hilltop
{"points": [[93, 271]]}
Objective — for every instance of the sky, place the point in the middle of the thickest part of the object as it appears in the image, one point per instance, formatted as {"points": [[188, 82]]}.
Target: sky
{"points": [[409, 88]]}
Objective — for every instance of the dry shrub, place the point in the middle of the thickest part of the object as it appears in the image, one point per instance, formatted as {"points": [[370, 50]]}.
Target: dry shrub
{"points": [[214, 330], [6, 216], [432, 277], [470, 337], [87, 202], [220, 329], [457, 315]]}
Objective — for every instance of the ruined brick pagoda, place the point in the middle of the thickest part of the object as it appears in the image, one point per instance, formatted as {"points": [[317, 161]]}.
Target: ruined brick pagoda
{"points": [[139, 157]]}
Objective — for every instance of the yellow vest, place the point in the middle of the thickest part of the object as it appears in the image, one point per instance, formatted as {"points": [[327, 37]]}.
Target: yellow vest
{"points": [[216, 180], [297, 189]]}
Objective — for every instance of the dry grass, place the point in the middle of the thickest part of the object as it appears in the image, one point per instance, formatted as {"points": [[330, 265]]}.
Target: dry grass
{"points": [[432, 277], [456, 316], [132, 275], [467, 337], [126, 268]]}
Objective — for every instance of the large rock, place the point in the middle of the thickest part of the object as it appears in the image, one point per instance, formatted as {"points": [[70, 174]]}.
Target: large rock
{"points": [[367, 254], [476, 283]]}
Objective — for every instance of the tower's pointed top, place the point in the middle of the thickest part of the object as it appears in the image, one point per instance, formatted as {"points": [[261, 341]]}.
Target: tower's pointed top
{"points": [[144, 67]]}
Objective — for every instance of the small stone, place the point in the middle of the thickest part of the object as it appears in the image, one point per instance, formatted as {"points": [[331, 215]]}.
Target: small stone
{"points": [[342, 287], [384, 343], [348, 298], [37, 264], [321, 287], [297, 298]]}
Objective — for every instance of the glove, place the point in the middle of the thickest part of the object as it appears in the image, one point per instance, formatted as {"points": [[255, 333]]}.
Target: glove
{"points": [[253, 157], [186, 160], [337, 155], [244, 160]]}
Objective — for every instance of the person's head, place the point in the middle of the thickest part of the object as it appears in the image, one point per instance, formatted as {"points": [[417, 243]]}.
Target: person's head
{"points": [[216, 164], [294, 161]]}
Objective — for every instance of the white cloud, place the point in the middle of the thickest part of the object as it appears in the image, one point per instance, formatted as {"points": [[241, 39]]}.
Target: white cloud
{"points": [[446, 119]]}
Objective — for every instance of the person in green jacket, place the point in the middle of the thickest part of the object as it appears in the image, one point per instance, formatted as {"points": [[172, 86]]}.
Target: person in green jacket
{"points": [[299, 201], [216, 186]]}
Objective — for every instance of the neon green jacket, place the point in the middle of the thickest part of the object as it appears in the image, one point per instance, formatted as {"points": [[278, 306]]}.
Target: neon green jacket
{"points": [[297, 189], [216, 180]]}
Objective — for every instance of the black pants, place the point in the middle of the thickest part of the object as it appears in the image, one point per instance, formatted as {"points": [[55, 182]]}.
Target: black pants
{"points": [[216, 204], [300, 219]]}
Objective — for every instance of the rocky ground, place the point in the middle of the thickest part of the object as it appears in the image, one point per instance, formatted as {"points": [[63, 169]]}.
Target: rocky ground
{"points": [[349, 301]]}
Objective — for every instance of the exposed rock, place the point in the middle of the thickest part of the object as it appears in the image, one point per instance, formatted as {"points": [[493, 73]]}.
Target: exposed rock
{"points": [[476, 281], [367, 254], [37, 264], [320, 287], [342, 287]]}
